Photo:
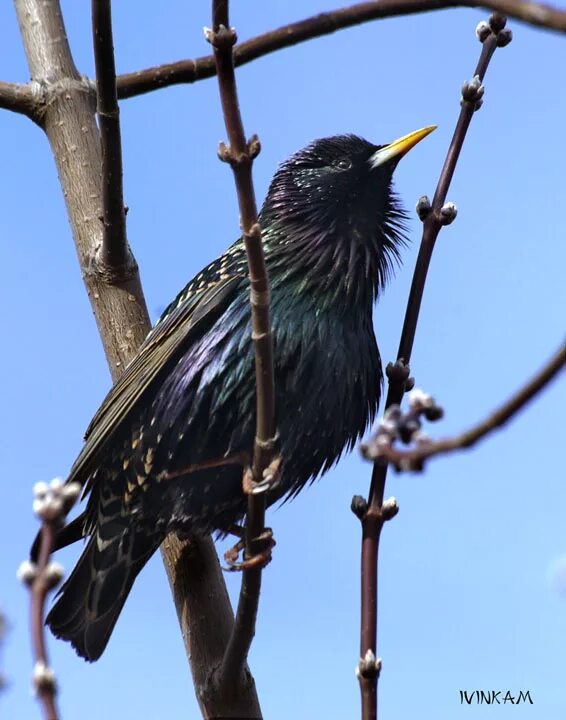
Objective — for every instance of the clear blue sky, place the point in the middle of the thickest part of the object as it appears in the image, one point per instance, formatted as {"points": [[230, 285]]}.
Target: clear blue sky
{"points": [[469, 570]]}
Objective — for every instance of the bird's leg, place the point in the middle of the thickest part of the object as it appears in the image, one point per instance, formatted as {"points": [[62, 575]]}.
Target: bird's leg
{"points": [[260, 559], [265, 541], [241, 458]]}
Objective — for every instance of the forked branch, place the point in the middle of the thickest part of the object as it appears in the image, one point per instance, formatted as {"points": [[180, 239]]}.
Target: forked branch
{"points": [[190, 71], [240, 154], [375, 512], [381, 447]]}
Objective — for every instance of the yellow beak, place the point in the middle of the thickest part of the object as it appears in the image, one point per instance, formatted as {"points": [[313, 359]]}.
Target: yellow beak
{"points": [[400, 147]]}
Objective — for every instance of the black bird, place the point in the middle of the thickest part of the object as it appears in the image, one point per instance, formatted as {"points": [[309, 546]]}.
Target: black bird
{"points": [[332, 230]]}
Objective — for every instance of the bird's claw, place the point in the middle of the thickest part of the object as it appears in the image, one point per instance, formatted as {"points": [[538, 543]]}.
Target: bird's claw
{"points": [[250, 486], [266, 543]]}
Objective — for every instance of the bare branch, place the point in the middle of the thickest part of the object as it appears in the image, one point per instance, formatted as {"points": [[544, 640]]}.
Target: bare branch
{"points": [[114, 253], [44, 679], [51, 504], [414, 459], [68, 119], [190, 71], [19, 99], [240, 155], [434, 217]]}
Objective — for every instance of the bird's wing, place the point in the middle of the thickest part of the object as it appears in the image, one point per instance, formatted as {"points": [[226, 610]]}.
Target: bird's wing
{"points": [[194, 307]]}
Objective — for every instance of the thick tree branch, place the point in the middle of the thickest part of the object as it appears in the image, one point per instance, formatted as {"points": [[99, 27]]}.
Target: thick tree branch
{"points": [[414, 459], [189, 71], [240, 155], [374, 513], [114, 252], [119, 307]]}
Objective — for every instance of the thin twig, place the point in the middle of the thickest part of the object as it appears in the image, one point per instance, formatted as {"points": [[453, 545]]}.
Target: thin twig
{"points": [[190, 71], [44, 680], [374, 513], [19, 98], [414, 458], [240, 155], [114, 252], [51, 505]]}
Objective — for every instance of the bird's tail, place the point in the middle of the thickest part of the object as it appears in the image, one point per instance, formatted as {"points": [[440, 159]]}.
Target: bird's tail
{"points": [[91, 600]]}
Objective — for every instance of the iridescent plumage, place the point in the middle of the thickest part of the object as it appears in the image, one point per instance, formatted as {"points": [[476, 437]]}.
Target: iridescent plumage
{"points": [[331, 232]]}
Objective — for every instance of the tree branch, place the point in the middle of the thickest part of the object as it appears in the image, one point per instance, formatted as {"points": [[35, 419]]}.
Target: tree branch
{"points": [[414, 459], [44, 679], [240, 155], [51, 505], [115, 252], [374, 513], [19, 99], [190, 71], [68, 119]]}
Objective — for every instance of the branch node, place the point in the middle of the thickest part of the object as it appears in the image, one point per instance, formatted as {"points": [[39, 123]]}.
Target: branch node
{"points": [[228, 155], [368, 667], [397, 372], [472, 90], [222, 38]]}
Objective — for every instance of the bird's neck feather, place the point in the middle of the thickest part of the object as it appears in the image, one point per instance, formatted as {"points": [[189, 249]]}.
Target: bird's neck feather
{"points": [[341, 265]]}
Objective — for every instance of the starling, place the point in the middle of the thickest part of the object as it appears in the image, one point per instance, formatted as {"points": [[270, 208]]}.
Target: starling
{"points": [[164, 452]]}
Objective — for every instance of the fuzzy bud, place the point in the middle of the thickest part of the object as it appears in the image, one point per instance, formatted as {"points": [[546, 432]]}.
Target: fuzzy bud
{"points": [[50, 509], [418, 399], [497, 22], [472, 90], [43, 678], [53, 574], [359, 506], [56, 487], [434, 413], [40, 490], [423, 208], [70, 494], [448, 213], [483, 31], [369, 666], [504, 38], [27, 572], [389, 509]]}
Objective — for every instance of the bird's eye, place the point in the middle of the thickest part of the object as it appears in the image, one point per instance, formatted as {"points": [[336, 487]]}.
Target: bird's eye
{"points": [[343, 164]]}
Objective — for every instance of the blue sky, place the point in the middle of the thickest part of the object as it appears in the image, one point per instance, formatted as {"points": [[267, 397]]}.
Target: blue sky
{"points": [[470, 571]]}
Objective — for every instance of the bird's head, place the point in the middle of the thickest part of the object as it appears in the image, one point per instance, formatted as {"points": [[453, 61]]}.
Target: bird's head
{"points": [[333, 207]]}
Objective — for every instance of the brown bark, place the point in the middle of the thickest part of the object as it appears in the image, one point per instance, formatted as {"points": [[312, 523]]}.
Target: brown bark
{"points": [[67, 115]]}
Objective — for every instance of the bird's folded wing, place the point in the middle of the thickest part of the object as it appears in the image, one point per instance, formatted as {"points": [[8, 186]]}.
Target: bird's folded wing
{"points": [[164, 342]]}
